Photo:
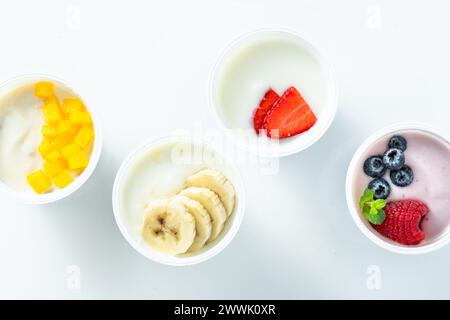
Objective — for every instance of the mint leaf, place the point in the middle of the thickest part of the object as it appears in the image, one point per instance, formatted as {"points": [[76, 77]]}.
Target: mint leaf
{"points": [[366, 210], [379, 204], [366, 197], [371, 208], [376, 218]]}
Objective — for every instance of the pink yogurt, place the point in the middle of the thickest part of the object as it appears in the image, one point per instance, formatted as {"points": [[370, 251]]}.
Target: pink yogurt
{"points": [[429, 157]]}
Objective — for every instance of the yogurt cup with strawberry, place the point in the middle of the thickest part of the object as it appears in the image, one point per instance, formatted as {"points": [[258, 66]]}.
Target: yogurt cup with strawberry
{"points": [[398, 186], [277, 88]]}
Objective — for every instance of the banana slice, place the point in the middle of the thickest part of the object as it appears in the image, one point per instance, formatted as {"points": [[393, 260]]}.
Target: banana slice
{"points": [[168, 227], [217, 182], [202, 221], [212, 204]]}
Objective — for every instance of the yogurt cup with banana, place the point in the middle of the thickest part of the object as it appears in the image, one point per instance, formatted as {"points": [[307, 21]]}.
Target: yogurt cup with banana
{"points": [[177, 201]]}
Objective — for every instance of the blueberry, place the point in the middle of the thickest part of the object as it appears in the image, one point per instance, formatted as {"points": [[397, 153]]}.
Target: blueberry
{"points": [[398, 142], [402, 177], [394, 159], [374, 167], [380, 187]]}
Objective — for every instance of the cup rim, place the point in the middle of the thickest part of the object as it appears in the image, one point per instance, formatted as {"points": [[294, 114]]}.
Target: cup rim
{"points": [[331, 77], [152, 254], [39, 199], [440, 241]]}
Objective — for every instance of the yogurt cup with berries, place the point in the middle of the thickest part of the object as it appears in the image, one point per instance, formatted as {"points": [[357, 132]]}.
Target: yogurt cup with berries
{"points": [[397, 188], [275, 91], [50, 141]]}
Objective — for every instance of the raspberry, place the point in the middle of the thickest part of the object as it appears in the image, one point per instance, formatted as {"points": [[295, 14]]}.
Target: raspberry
{"points": [[402, 222]]}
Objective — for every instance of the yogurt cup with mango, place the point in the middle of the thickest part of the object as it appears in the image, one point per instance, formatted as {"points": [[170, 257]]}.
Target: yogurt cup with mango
{"points": [[50, 142]]}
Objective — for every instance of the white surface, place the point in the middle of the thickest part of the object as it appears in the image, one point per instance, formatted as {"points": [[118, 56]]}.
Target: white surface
{"points": [[145, 66]]}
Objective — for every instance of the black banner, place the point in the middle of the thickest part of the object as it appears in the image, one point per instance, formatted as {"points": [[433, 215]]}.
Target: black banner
{"points": [[227, 309]]}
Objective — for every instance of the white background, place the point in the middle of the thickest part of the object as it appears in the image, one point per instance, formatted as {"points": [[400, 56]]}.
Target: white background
{"points": [[144, 65]]}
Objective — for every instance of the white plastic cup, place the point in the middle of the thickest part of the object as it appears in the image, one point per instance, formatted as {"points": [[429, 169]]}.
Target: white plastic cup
{"points": [[131, 234], [294, 144], [352, 203], [37, 199]]}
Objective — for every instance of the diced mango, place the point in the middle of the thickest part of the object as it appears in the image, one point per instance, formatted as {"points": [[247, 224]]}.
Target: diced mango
{"points": [[84, 136], [52, 113], [63, 179], [78, 160], [45, 147], [52, 169], [62, 140], [70, 150], [53, 155], [80, 117], [39, 182], [48, 131], [67, 136], [65, 127], [44, 89], [70, 105], [52, 99]]}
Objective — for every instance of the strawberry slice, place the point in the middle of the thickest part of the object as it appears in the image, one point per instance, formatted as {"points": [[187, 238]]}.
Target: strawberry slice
{"points": [[289, 116], [264, 107]]}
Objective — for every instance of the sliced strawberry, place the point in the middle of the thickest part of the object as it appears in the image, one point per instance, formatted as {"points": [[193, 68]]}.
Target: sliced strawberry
{"points": [[290, 115], [264, 106]]}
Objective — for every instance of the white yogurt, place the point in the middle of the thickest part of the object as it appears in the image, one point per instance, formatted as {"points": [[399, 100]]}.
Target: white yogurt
{"points": [[21, 119], [160, 173], [158, 169], [271, 62], [272, 59]]}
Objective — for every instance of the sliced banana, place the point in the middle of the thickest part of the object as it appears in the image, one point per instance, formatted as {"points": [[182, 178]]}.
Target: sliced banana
{"points": [[202, 221], [212, 204], [217, 182], [168, 227]]}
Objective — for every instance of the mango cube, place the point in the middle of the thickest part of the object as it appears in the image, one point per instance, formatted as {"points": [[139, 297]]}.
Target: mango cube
{"points": [[52, 169], [45, 147], [53, 155], [69, 150], [70, 105], [78, 160], [84, 136], [39, 182], [51, 99], [44, 89], [63, 179], [62, 140], [80, 117], [68, 130], [52, 113], [64, 127], [48, 131]]}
